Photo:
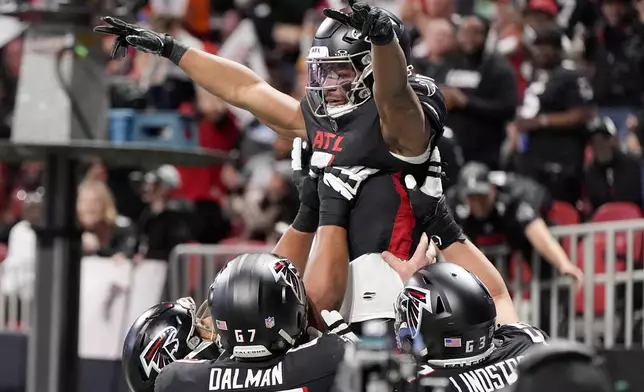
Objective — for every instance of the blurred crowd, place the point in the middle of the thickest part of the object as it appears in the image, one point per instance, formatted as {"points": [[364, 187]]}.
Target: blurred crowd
{"points": [[550, 90]]}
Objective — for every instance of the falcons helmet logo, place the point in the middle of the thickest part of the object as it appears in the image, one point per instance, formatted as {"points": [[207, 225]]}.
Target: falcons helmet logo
{"points": [[411, 302], [160, 352], [286, 272]]}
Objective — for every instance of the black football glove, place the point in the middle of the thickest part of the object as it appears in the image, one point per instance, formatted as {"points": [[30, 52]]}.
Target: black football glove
{"points": [[372, 22], [306, 183], [430, 208], [140, 39]]}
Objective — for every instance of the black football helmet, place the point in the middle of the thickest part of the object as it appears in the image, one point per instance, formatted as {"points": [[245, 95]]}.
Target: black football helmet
{"points": [[447, 315], [258, 306], [339, 67], [161, 335]]}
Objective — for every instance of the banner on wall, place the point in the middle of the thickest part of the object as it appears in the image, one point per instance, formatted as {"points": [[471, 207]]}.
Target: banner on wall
{"points": [[112, 295]]}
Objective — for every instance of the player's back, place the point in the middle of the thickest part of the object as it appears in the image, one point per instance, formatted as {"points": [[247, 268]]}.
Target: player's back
{"points": [[495, 372], [309, 367]]}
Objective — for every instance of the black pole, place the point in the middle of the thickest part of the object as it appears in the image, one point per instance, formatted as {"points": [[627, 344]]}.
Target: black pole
{"points": [[53, 344]]}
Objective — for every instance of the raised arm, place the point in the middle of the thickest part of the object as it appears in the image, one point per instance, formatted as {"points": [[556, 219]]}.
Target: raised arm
{"points": [[404, 126], [230, 81], [241, 87]]}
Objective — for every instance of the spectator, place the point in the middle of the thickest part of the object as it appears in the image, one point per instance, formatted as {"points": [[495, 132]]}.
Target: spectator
{"points": [[164, 223], [267, 196], [439, 39], [612, 175], [486, 203], [118, 181], [105, 233], [618, 63], [167, 86], [19, 267], [481, 89], [556, 107]]}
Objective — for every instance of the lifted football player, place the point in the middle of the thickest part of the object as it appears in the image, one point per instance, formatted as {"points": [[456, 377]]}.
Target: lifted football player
{"points": [[363, 108], [446, 315]]}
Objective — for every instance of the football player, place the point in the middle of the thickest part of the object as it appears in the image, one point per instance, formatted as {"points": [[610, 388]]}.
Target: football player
{"points": [[363, 107], [161, 335], [447, 316]]}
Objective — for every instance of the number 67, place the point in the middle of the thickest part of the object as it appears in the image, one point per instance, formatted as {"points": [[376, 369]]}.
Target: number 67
{"points": [[239, 336]]}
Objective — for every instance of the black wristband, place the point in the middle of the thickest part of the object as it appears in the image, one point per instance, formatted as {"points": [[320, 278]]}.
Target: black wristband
{"points": [[173, 49], [306, 220], [335, 212]]}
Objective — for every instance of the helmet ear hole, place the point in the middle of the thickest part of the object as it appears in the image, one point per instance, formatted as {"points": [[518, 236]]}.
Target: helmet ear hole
{"points": [[440, 306]]}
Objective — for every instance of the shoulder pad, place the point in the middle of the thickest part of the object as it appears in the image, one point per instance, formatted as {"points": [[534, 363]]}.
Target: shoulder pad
{"points": [[423, 85], [535, 334], [432, 101]]}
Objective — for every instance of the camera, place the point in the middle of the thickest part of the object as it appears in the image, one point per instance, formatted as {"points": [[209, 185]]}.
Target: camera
{"points": [[373, 364]]}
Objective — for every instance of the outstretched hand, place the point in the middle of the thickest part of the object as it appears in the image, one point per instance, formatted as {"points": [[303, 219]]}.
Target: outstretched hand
{"points": [[131, 35], [372, 22], [424, 255]]}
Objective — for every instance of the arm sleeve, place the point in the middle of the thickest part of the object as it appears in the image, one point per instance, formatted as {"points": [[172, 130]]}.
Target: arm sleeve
{"points": [[503, 104]]}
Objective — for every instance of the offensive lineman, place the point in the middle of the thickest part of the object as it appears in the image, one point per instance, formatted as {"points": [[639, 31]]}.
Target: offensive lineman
{"points": [[395, 131], [447, 316]]}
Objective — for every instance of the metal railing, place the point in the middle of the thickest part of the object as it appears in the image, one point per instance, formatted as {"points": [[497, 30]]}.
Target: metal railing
{"points": [[16, 300], [610, 318], [610, 310], [193, 267]]}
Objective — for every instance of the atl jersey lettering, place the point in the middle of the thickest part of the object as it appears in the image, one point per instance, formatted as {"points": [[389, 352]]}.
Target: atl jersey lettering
{"points": [[311, 367], [355, 139], [498, 370]]}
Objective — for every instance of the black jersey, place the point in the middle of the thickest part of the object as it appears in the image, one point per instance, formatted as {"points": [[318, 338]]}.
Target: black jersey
{"points": [[355, 139], [497, 371], [310, 367]]}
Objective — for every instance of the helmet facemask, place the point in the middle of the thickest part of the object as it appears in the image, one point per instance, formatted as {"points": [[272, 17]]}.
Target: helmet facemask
{"points": [[337, 85]]}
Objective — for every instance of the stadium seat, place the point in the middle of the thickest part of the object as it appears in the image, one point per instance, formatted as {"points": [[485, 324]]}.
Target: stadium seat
{"points": [[622, 211], [617, 211], [562, 213]]}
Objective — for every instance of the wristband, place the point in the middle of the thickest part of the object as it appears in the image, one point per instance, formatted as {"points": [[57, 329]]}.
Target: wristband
{"points": [[306, 220], [173, 49], [334, 212]]}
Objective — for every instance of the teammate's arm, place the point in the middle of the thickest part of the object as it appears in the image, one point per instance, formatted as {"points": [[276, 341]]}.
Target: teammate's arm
{"points": [[230, 81], [431, 210], [296, 243]]}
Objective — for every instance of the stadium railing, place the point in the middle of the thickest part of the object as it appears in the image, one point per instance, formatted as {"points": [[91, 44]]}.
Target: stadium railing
{"points": [[606, 310]]}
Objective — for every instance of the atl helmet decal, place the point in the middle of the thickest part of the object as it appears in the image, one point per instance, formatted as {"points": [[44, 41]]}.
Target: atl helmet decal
{"points": [[412, 301], [160, 351], [287, 273]]}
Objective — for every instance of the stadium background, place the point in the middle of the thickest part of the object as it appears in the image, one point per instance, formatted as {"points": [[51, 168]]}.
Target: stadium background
{"points": [[133, 216]]}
